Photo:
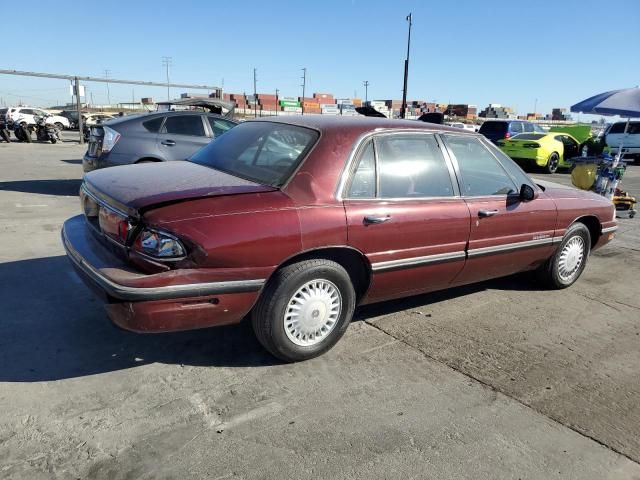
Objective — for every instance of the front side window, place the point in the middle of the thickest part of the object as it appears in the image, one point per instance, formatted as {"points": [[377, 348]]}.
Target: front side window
{"points": [[411, 166], [184, 125], [481, 173], [512, 168], [262, 152], [219, 126]]}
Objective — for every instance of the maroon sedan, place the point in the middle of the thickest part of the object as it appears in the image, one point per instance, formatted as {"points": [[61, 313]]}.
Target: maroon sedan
{"points": [[295, 221]]}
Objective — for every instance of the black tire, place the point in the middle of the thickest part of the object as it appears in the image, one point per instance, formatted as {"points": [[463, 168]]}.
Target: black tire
{"points": [[552, 163], [5, 136], [550, 273], [53, 140], [268, 315], [27, 136]]}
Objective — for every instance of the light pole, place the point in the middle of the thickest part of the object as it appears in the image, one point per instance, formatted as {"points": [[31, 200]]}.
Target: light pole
{"points": [[166, 62], [304, 85], [366, 91], [406, 71], [106, 75]]}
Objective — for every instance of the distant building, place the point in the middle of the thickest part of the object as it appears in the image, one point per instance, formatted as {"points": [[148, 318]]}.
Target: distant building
{"points": [[560, 114], [495, 110]]}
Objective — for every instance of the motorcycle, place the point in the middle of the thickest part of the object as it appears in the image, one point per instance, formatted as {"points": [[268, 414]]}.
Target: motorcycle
{"points": [[4, 129], [46, 132], [22, 131]]}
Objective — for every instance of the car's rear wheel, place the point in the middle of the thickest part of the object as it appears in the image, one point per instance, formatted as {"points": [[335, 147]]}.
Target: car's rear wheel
{"points": [[59, 126], [569, 261], [304, 310], [552, 163]]}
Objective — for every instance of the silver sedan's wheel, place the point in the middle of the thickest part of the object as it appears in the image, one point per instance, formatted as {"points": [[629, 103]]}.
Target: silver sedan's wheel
{"points": [[312, 312], [571, 258]]}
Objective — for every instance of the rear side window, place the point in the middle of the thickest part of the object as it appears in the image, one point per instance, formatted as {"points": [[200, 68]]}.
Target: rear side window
{"points": [[481, 173], [634, 128], [184, 125], [516, 127], [411, 166], [153, 125], [363, 182]]}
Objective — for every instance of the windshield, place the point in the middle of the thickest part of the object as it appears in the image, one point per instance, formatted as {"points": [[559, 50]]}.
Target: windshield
{"points": [[263, 152], [529, 136]]}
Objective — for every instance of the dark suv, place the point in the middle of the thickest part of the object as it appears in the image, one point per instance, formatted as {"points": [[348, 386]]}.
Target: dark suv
{"points": [[153, 137], [496, 130]]}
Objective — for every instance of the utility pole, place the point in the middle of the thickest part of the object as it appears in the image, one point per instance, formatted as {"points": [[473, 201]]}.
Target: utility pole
{"points": [[277, 92], [77, 92], [166, 63], [406, 71], [366, 91], [304, 86], [255, 94], [106, 75]]}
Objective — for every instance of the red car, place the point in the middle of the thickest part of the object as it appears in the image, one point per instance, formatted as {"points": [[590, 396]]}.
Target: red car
{"points": [[296, 221]]}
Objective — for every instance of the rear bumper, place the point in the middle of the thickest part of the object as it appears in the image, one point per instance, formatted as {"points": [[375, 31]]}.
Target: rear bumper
{"points": [[159, 302]]}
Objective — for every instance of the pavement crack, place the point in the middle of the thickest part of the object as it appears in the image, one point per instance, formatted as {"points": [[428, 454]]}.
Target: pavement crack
{"points": [[505, 393]]}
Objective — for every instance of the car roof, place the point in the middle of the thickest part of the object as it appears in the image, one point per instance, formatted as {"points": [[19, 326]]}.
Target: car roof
{"points": [[150, 115], [359, 123]]}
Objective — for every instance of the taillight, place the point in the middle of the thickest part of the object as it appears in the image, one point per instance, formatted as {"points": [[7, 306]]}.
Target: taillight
{"points": [[110, 139], [531, 145], [159, 244], [123, 230], [507, 135]]}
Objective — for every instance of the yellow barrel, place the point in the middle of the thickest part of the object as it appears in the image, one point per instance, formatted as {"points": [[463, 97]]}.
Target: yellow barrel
{"points": [[584, 175]]}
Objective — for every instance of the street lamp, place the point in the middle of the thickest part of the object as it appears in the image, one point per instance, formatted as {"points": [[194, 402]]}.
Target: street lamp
{"points": [[406, 71]]}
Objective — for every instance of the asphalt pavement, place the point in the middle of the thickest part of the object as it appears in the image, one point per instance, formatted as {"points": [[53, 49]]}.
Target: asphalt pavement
{"points": [[495, 380]]}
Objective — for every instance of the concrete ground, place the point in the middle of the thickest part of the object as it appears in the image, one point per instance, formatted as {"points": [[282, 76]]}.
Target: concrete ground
{"points": [[496, 380]]}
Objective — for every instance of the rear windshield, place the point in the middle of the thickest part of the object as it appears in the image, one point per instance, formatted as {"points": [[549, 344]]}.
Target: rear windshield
{"points": [[262, 152], [634, 127], [529, 136], [493, 127]]}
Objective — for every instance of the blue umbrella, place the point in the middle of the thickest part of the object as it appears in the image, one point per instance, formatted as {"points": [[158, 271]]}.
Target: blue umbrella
{"points": [[625, 102]]}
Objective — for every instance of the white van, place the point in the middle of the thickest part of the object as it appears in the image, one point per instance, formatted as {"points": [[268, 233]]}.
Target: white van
{"points": [[630, 142]]}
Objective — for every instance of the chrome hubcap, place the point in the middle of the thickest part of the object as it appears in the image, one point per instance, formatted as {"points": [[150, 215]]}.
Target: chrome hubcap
{"points": [[571, 258], [312, 312]]}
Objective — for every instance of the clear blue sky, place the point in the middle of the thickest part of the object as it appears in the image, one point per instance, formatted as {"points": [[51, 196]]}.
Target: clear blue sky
{"points": [[463, 51]]}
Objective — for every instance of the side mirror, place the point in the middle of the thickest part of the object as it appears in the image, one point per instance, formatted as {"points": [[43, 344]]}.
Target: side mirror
{"points": [[527, 193]]}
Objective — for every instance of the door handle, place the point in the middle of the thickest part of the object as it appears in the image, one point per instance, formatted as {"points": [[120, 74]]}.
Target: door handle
{"points": [[487, 213], [372, 219], [168, 143]]}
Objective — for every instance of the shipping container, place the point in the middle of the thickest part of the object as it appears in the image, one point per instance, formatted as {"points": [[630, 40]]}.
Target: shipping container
{"points": [[289, 103]]}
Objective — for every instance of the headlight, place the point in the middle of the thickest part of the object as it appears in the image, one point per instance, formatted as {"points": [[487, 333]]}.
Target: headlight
{"points": [[159, 244]]}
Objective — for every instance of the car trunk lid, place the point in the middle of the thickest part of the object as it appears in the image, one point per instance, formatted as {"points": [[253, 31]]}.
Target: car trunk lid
{"points": [[134, 188]]}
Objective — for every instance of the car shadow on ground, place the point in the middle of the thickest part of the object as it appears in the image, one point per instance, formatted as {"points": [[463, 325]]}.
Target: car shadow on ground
{"points": [[53, 328], [75, 161], [63, 187]]}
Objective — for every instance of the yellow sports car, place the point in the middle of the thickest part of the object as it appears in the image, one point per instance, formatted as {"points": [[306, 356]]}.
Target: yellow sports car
{"points": [[547, 150]]}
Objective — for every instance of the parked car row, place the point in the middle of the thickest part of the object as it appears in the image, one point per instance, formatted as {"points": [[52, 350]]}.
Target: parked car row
{"points": [[294, 221], [27, 116]]}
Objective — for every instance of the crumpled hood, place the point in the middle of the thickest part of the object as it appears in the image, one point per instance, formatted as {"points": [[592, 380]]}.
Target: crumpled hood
{"points": [[136, 187]]}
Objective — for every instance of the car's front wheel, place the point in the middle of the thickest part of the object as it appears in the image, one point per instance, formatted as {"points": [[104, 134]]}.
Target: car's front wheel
{"points": [[569, 261], [304, 310]]}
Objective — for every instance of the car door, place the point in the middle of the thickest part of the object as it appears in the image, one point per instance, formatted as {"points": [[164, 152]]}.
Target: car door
{"points": [[507, 235], [405, 214], [571, 147], [181, 136]]}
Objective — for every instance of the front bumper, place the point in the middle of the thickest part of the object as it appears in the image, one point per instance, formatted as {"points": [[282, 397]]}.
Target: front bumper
{"points": [[166, 301]]}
